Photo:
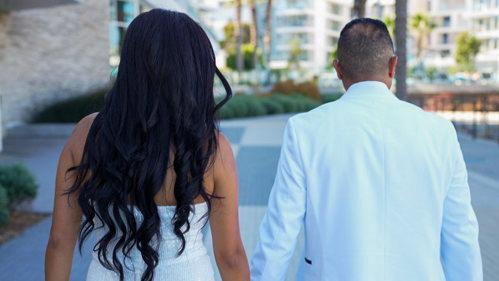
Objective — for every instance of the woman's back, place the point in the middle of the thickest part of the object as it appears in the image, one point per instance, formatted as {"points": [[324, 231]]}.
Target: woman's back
{"points": [[147, 172], [194, 263]]}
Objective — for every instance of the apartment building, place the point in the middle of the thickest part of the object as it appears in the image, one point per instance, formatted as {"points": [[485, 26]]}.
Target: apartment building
{"points": [[484, 21], [315, 23], [215, 14], [451, 17]]}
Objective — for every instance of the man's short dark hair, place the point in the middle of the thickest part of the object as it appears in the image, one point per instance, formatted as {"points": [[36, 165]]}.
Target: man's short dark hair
{"points": [[364, 48]]}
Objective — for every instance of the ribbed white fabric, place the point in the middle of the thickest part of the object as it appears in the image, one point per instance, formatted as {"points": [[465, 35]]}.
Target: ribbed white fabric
{"points": [[193, 265]]}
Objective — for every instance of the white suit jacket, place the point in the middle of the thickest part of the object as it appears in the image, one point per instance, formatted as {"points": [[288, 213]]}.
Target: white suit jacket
{"points": [[381, 189]]}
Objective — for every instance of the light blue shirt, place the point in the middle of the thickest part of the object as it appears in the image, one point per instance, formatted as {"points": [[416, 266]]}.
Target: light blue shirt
{"points": [[381, 189]]}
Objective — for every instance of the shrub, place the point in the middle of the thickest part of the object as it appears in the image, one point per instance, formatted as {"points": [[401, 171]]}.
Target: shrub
{"points": [[330, 97], [18, 182], [73, 109], [305, 104], [272, 106], [237, 107], [307, 89], [289, 103], [4, 206], [294, 103], [243, 106]]}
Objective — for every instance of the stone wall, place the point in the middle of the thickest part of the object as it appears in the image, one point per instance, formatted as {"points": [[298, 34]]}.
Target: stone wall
{"points": [[51, 54]]}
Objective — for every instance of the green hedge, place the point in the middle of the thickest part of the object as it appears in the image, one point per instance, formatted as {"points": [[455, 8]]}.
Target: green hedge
{"points": [[253, 105], [4, 206], [16, 184], [331, 97], [72, 110]]}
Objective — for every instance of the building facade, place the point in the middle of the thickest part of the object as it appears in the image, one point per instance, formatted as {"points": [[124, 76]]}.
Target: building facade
{"points": [[478, 17], [122, 12], [450, 18], [50, 51], [484, 21], [316, 25]]}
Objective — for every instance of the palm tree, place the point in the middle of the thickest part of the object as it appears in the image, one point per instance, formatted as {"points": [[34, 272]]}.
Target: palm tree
{"points": [[239, 37], [267, 38], [254, 31], [421, 26], [390, 24], [401, 43], [359, 9], [295, 52]]}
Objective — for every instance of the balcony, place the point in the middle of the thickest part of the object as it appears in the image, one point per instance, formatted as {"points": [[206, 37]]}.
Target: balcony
{"points": [[294, 29], [15, 5], [295, 21]]}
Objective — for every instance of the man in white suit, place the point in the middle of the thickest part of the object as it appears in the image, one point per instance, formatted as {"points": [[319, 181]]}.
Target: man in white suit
{"points": [[379, 184]]}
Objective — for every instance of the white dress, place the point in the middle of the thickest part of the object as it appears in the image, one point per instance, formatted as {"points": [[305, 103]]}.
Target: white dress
{"points": [[193, 265]]}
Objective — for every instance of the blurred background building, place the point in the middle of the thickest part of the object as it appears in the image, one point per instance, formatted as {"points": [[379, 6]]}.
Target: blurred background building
{"points": [[81, 41], [50, 50], [316, 24]]}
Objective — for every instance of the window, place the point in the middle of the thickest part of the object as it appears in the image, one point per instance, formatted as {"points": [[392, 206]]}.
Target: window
{"points": [[335, 9], [445, 53], [335, 25], [296, 4], [125, 11], [445, 38], [122, 13], [333, 41], [446, 21]]}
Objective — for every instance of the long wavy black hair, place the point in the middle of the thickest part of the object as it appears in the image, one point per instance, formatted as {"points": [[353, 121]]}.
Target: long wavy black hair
{"points": [[162, 103]]}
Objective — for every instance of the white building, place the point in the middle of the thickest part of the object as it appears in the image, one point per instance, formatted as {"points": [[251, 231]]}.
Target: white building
{"points": [[484, 21], [216, 14], [451, 18], [316, 23]]}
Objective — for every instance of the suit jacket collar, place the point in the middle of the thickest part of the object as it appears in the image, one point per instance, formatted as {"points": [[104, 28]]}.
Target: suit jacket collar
{"points": [[369, 90]]}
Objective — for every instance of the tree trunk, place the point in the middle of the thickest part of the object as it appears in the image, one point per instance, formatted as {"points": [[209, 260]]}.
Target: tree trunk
{"points": [[239, 38], [401, 44], [267, 39], [254, 31], [359, 9]]}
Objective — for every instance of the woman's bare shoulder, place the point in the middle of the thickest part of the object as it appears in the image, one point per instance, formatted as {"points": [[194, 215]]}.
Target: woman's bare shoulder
{"points": [[224, 159], [76, 142]]}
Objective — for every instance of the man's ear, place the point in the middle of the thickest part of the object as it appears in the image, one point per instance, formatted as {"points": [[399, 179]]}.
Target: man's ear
{"points": [[337, 67], [392, 65]]}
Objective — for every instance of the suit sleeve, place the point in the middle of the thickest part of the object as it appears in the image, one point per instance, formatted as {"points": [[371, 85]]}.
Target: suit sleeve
{"points": [[284, 217], [460, 251]]}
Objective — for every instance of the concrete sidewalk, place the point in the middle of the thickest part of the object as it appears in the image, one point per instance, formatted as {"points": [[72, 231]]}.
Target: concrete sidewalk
{"points": [[256, 144]]}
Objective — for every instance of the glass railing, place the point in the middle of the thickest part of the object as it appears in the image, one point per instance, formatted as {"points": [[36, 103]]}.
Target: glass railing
{"points": [[295, 21]]}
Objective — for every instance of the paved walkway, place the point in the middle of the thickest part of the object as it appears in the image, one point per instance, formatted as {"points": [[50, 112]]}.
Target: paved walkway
{"points": [[256, 144]]}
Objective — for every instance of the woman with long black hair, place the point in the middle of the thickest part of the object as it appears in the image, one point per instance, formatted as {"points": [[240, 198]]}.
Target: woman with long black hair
{"points": [[147, 173]]}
